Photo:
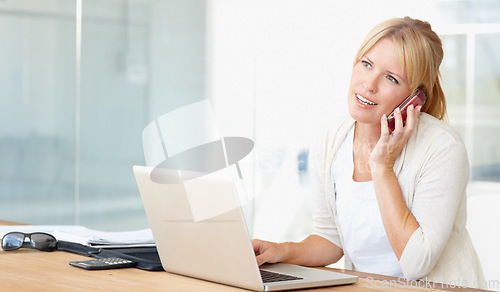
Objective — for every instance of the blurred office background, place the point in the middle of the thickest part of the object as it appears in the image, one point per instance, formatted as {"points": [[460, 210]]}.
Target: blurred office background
{"points": [[80, 79]]}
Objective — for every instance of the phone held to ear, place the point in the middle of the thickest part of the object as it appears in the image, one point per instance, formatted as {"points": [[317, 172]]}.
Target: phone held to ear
{"points": [[416, 99]]}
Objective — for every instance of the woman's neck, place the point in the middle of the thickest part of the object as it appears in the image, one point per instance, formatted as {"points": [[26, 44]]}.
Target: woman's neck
{"points": [[366, 133], [366, 137]]}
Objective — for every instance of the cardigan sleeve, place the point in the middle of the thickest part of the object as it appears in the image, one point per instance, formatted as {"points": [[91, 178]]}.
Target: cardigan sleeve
{"points": [[439, 187], [323, 221]]}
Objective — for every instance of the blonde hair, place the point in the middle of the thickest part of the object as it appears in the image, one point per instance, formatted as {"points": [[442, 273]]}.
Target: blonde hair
{"points": [[420, 54]]}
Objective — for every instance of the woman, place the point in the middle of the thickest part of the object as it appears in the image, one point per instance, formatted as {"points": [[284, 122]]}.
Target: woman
{"points": [[391, 202]]}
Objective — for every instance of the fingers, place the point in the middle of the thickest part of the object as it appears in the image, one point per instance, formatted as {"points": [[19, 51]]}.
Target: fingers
{"points": [[260, 248], [390, 145], [398, 124], [265, 252], [412, 117], [261, 259], [402, 128], [384, 128]]}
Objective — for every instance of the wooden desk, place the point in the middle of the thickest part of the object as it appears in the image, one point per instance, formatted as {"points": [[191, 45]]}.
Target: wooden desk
{"points": [[32, 270]]}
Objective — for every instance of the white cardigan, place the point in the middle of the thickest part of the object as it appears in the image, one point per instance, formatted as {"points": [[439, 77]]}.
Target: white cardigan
{"points": [[433, 172]]}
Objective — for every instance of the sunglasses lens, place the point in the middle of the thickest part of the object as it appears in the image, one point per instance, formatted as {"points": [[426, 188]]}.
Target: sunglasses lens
{"points": [[12, 241], [43, 241]]}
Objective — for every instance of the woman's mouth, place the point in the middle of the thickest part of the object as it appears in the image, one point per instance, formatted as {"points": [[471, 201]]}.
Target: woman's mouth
{"points": [[364, 101]]}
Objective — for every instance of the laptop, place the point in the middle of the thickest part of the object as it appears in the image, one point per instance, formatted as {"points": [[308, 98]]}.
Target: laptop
{"points": [[215, 248]]}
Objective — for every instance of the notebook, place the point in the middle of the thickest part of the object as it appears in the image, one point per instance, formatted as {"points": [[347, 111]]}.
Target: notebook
{"points": [[216, 248]]}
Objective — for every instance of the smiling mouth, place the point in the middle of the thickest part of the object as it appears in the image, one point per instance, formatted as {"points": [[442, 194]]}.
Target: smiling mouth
{"points": [[364, 101]]}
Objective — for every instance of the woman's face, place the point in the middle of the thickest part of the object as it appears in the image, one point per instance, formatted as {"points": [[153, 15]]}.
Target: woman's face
{"points": [[378, 85]]}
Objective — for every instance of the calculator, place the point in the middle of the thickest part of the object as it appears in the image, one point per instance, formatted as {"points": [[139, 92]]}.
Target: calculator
{"points": [[104, 263]]}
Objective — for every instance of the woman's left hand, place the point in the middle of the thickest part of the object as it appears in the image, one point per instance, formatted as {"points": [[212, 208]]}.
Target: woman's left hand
{"points": [[390, 145]]}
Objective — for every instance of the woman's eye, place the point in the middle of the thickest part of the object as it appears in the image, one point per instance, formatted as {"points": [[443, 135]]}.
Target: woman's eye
{"points": [[392, 79], [366, 64]]}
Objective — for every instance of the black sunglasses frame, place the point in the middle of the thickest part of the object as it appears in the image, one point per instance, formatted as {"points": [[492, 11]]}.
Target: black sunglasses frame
{"points": [[50, 244]]}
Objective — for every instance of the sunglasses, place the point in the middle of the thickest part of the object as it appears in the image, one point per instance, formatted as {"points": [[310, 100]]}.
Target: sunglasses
{"points": [[38, 240]]}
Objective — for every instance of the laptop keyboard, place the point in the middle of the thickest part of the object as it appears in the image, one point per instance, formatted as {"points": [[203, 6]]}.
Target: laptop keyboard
{"points": [[269, 277]]}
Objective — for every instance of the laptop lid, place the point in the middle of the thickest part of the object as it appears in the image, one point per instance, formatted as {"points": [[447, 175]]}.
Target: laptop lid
{"points": [[212, 243]]}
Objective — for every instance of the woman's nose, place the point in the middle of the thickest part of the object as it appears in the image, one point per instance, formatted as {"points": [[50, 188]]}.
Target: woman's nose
{"points": [[370, 84]]}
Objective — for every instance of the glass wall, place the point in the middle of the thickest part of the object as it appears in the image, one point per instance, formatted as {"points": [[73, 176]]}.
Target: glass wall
{"points": [[112, 109], [470, 78], [471, 81], [73, 106], [37, 109], [487, 107]]}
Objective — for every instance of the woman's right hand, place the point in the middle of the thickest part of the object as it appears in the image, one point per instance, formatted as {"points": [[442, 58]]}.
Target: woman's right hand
{"points": [[267, 252]]}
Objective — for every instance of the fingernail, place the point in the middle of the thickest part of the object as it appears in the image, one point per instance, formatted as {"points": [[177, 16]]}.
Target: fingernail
{"points": [[410, 108], [419, 108], [384, 117], [398, 110]]}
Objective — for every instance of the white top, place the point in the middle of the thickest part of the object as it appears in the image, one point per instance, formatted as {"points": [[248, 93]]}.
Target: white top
{"points": [[433, 172], [365, 239]]}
